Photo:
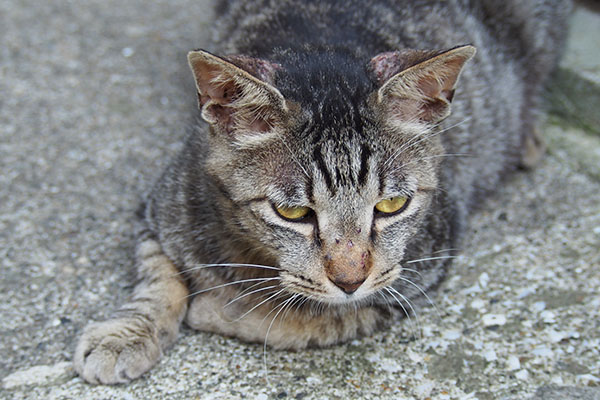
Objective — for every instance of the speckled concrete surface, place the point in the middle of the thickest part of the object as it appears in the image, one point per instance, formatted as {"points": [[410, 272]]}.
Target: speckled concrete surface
{"points": [[96, 95]]}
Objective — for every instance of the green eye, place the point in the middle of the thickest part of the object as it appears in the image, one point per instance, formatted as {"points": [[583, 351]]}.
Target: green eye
{"points": [[293, 213], [392, 205]]}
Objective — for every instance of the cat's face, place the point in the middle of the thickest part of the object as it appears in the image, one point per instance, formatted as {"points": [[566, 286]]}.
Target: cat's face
{"points": [[333, 199], [339, 214]]}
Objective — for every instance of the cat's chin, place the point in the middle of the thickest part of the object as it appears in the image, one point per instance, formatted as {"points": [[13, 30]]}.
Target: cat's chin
{"points": [[331, 298], [352, 301]]}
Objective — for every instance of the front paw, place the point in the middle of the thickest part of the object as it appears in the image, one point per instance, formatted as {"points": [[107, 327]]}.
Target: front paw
{"points": [[116, 351]]}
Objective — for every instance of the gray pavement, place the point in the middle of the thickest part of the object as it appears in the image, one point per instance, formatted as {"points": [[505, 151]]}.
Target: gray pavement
{"points": [[94, 98]]}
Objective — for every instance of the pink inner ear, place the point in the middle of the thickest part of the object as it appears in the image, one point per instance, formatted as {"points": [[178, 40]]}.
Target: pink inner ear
{"points": [[429, 86], [260, 125], [222, 92], [432, 88], [220, 114], [213, 87]]}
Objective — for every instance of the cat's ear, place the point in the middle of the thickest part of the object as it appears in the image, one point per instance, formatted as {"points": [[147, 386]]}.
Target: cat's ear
{"points": [[418, 84], [236, 94]]}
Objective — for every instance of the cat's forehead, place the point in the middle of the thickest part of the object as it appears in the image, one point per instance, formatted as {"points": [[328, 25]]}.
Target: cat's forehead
{"points": [[331, 85], [349, 158]]}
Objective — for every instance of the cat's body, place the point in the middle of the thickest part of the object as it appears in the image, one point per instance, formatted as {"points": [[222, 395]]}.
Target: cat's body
{"points": [[332, 158]]}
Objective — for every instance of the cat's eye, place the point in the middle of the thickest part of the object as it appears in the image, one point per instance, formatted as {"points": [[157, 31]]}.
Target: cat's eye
{"points": [[293, 213], [393, 205]]}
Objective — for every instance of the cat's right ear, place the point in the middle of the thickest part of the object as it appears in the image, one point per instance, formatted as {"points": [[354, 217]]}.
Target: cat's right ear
{"points": [[238, 100]]}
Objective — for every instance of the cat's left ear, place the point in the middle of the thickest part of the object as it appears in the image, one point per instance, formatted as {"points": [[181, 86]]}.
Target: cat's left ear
{"points": [[419, 85]]}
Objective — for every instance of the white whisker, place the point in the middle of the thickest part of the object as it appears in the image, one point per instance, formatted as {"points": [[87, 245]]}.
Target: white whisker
{"points": [[241, 296], [281, 307], [387, 301], [232, 283], [292, 155], [250, 288], [413, 142], [229, 265], [420, 138], [457, 124], [298, 299], [424, 294], [443, 250], [413, 271], [275, 308], [304, 300], [410, 321], [428, 259], [412, 309], [258, 305]]}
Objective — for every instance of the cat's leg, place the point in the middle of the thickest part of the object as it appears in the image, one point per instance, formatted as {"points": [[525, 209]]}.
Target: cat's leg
{"points": [[283, 325], [126, 346]]}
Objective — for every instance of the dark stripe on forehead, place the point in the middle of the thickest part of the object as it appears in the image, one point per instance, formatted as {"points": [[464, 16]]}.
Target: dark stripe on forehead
{"points": [[339, 179], [351, 175], [316, 127], [302, 130], [323, 168], [364, 165], [357, 119]]}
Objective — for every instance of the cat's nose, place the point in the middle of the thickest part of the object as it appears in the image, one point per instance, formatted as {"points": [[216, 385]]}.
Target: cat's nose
{"points": [[348, 265], [348, 287]]}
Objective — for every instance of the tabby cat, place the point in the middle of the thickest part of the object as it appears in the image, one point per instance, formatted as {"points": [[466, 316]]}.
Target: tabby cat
{"points": [[332, 183]]}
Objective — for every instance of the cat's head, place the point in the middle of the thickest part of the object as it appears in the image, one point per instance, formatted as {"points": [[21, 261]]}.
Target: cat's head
{"points": [[329, 169]]}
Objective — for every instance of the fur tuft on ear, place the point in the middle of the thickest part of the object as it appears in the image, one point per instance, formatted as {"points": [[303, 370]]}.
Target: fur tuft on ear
{"points": [[418, 84], [236, 94]]}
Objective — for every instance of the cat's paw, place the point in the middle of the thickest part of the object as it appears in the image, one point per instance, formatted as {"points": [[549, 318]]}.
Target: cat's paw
{"points": [[116, 351], [534, 148]]}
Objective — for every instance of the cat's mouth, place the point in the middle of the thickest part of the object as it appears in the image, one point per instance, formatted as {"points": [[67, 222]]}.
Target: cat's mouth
{"points": [[340, 292]]}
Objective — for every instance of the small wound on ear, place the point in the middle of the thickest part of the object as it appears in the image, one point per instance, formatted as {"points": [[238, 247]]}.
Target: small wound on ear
{"points": [[385, 65]]}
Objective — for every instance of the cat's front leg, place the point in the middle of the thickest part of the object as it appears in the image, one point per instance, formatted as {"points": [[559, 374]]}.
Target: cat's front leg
{"points": [[126, 346]]}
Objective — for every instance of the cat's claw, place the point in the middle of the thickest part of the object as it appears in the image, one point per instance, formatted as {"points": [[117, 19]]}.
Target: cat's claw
{"points": [[116, 351]]}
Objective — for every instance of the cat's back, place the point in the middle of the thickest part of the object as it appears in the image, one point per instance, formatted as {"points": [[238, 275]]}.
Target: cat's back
{"points": [[259, 26]]}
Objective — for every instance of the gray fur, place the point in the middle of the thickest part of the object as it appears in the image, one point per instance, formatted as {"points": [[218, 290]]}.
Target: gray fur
{"points": [[334, 105]]}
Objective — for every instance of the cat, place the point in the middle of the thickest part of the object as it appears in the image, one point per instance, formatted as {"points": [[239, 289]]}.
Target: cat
{"points": [[332, 183]]}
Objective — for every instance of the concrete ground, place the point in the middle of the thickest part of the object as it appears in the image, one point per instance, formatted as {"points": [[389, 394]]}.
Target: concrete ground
{"points": [[95, 96]]}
